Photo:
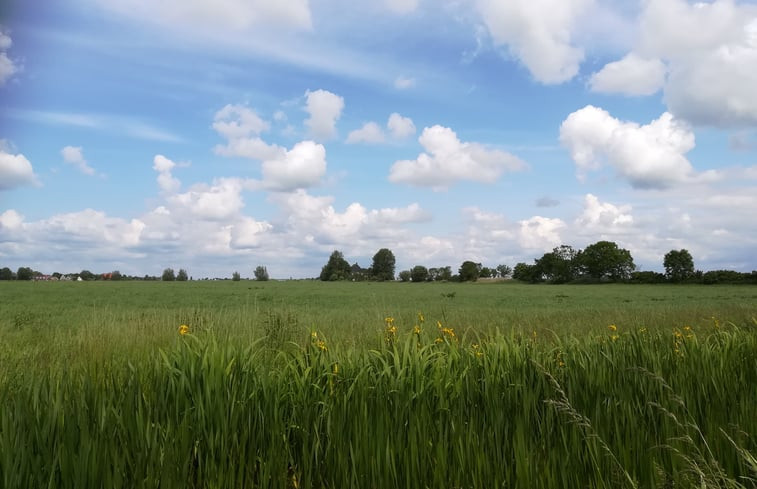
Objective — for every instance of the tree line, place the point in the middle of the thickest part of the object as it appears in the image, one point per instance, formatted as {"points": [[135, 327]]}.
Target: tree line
{"points": [[600, 262], [169, 275]]}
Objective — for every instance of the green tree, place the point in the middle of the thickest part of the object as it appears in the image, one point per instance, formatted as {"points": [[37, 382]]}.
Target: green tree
{"points": [[605, 260], [6, 274], [337, 268], [469, 271], [236, 277], [486, 272], [559, 265], [24, 273], [419, 273], [168, 275], [116, 275], [526, 273], [679, 265], [182, 275], [504, 271], [383, 264], [405, 276], [261, 273], [87, 275]]}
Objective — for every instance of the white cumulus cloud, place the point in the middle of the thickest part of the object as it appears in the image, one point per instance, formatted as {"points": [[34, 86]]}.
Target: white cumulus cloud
{"points": [[540, 33], [603, 217], [166, 180], [540, 233], [241, 127], [15, 171], [448, 160], [370, 133], [400, 127], [8, 67], [300, 167], [325, 109], [632, 75], [73, 155], [648, 156]]}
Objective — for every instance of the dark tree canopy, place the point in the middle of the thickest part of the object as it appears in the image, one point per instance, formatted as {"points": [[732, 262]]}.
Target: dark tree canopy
{"points": [[168, 275], [236, 277], [679, 265], [504, 271], [182, 275], [469, 271], [405, 276], [337, 268], [419, 273], [383, 264], [559, 265], [24, 273], [605, 260], [526, 272], [6, 274], [261, 273]]}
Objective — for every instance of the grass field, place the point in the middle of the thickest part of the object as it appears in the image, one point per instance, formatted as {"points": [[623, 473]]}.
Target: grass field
{"points": [[310, 384]]}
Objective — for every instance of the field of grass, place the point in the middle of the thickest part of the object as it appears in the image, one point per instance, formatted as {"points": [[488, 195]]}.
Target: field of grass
{"points": [[336, 385]]}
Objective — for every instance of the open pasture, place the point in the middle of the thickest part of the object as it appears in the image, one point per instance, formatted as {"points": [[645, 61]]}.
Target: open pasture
{"points": [[309, 384]]}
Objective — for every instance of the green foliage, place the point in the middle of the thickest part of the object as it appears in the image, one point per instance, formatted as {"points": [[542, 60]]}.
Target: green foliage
{"points": [[235, 277], [504, 271], [679, 265], [383, 265], [261, 273], [419, 273], [527, 273], [605, 260], [6, 274], [87, 275], [115, 275], [168, 275], [182, 275], [469, 271], [337, 268], [405, 275], [24, 273], [560, 265]]}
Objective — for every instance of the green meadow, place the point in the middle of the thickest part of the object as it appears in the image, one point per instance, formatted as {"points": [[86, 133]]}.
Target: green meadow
{"points": [[306, 384]]}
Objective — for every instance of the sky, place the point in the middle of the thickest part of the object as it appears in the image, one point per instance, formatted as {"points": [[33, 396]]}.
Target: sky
{"points": [[217, 136]]}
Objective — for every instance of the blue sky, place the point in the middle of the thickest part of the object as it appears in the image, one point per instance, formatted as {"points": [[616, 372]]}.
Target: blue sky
{"points": [[218, 136]]}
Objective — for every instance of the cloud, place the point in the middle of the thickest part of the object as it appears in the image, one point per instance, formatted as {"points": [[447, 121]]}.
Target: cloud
{"points": [[8, 67], [540, 233], [166, 181], [709, 48], [402, 6], [447, 160], [603, 217], [219, 201], [324, 108], [15, 171], [73, 156], [404, 83], [301, 167], [370, 133], [400, 127], [539, 34], [648, 156], [201, 15], [241, 127], [632, 75], [547, 202]]}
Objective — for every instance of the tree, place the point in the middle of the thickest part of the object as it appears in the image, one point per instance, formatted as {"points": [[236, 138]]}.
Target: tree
{"points": [[182, 275], [486, 272], [337, 268], [6, 274], [87, 275], [405, 276], [419, 273], [168, 275], [469, 271], [605, 260], [261, 273], [679, 265], [559, 265], [24, 273], [526, 272], [116, 275], [236, 277], [383, 265], [504, 271]]}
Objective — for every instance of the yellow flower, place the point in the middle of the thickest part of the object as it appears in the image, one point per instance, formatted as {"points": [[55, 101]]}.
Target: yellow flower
{"points": [[335, 369], [612, 327], [614, 337], [687, 328], [643, 330], [417, 330], [389, 320], [183, 329], [421, 318], [314, 335], [439, 324], [321, 345]]}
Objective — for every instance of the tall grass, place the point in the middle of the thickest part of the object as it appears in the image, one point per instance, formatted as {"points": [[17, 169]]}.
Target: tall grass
{"points": [[612, 407]]}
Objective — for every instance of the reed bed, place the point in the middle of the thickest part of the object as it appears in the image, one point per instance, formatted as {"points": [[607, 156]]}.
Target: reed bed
{"points": [[425, 405]]}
